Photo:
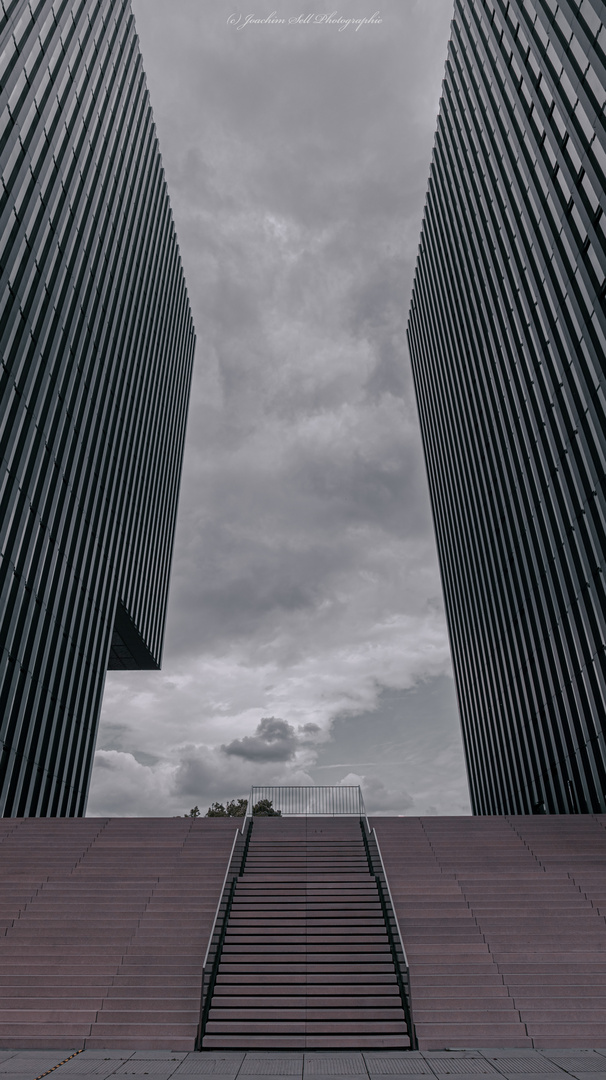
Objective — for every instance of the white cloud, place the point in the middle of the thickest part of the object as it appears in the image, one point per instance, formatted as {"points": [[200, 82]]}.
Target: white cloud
{"points": [[125, 787], [377, 797]]}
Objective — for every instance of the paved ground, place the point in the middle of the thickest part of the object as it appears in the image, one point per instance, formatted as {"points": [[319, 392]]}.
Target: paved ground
{"points": [[163, 1064]]}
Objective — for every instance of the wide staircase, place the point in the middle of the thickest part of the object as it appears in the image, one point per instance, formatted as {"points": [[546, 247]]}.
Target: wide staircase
{"points": [[306, 961], [104, 925], [504, 924]]}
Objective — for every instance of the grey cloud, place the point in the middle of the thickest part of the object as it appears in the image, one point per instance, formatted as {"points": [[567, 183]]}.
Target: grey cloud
{"points": [[378, 797], [236, 586], [206, 774], [310, 729], [197, 775], [274, 740], [415, 749]]}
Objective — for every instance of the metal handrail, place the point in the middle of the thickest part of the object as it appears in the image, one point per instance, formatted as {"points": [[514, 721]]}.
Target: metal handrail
{"points": [[389, 916], [393, 906], [246, 847], [404, 997], [329, 800], [217, 960], [221, 894], [225, 899]]}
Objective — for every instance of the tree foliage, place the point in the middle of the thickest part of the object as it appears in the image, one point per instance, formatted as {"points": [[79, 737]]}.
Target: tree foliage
{"points": [[265, 808], [234, 808], [237, 808]]}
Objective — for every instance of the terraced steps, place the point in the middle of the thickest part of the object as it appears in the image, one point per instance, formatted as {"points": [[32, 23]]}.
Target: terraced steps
{"points": [[504, 924], [104, 925], [103, 929]]}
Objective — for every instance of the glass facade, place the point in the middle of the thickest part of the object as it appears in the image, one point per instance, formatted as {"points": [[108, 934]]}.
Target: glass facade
{"points": [[96, 351], [507, 333]]}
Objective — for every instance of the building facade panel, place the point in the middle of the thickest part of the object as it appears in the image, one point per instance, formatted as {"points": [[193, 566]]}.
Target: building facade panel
{"points": [[507, 334], [97, 344]]}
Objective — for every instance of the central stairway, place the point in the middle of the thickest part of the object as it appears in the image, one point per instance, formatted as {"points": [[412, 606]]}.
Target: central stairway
{"points": [[306, 960]]}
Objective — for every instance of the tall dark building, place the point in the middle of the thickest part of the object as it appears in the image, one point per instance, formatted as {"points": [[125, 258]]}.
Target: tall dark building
{"points": [[507, 333], [96, 345]]}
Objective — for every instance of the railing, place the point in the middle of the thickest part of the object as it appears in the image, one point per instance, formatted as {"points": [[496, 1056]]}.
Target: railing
{"points": [[210, 977], [329, 801], [237, 844], [212, 959], [398, 952]]}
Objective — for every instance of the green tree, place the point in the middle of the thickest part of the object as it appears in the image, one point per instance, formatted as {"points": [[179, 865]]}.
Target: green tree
{"points": [[237, 808], [194, 812], [234, 808], [265, 808]]}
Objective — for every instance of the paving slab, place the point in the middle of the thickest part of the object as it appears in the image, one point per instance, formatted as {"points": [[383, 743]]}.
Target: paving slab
{"points": [[575, 1064], [84, 1066], [222, 1064], [463, 1066], [396, 1066], [531, 1074], [351, 1065], [159, 1055], [32, 1062], [513, 1064], [106, 1053], [147, 1067], [257, 1065], [569, 1056]]}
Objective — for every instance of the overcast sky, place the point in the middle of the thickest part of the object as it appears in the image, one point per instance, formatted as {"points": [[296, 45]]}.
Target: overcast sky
{"points": [[306, 640]]}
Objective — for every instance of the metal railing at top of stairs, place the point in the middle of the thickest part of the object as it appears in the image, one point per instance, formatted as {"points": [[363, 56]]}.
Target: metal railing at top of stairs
{"points": [[334, 800]]}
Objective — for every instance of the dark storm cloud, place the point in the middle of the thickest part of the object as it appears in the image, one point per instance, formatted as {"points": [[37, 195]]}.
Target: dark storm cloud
{"points": [[274, 740]]}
